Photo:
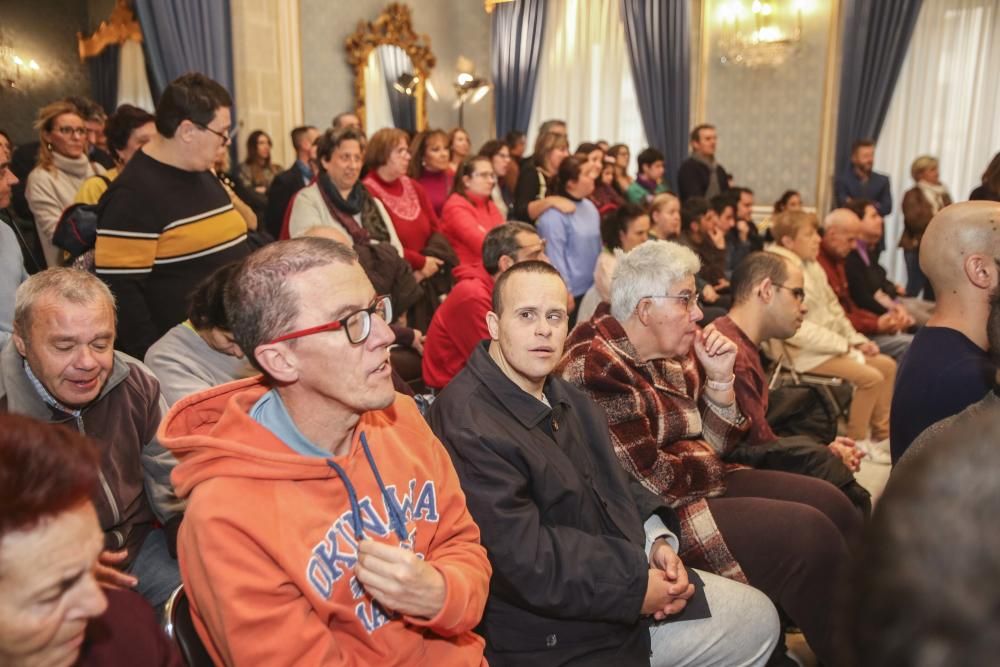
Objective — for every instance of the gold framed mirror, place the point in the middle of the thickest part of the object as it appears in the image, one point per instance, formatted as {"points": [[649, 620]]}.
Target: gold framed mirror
{"points": [[380, 50]]}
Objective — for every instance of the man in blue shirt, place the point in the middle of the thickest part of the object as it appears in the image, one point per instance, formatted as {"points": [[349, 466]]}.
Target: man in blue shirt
{"points": [[947, 367], [860, 182]]}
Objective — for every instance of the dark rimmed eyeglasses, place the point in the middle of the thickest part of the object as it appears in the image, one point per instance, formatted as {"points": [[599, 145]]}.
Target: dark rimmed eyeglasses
{"points": [[226, 137], [357, 325], [67, 131], [798, 292], [691, 301]]}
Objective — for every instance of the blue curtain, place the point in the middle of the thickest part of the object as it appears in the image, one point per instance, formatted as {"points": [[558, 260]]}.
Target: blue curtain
{"points": [[876, 36], [104, 77], [517, 29], [403, 107], [657, 34], [183, 36]]}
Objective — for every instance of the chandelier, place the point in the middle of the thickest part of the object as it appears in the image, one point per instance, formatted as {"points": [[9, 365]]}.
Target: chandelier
{"points": [[766, 35]]}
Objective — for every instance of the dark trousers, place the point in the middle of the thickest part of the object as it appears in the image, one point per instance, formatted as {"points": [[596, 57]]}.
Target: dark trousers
{"points": [[790, 534], [916, 281]]}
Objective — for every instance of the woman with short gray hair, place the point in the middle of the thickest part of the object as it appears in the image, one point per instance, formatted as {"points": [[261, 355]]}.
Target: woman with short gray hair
{"points": [[667, 387]]}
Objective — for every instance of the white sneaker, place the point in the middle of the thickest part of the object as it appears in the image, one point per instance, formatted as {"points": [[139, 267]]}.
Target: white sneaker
{"points": [[876, 452]]}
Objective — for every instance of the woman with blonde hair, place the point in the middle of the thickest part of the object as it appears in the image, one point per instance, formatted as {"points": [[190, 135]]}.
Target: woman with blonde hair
{"points": [[920, 204], [62, 168]]}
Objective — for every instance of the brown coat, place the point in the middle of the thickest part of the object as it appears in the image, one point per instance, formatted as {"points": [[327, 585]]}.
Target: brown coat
{"points": [[917, 214], [663, 430]]}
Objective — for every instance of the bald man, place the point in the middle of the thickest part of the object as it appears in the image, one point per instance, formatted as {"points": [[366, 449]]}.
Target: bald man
{"points": [[947, 367], [841, 230]]}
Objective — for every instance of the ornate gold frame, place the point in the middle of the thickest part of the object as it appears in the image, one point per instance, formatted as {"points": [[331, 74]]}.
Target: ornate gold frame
{"points": [[391, 27], [120, 27]]}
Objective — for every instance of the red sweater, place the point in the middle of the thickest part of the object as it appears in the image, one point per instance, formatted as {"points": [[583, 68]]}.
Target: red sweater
{"points": [[437, 184], [411, 212], [864, 321], [465, 222], [458, 325], [751, 383]]}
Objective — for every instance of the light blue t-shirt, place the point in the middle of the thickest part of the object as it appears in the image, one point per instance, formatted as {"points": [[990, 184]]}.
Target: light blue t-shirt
{"points": [[270, 412]]}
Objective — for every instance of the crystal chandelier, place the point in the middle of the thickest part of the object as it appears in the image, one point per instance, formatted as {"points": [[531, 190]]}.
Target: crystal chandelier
{"points": [[766, 35]]}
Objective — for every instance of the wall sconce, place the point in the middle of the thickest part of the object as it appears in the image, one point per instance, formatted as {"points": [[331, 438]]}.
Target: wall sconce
{"points": [[16, 72], [765, 36]]}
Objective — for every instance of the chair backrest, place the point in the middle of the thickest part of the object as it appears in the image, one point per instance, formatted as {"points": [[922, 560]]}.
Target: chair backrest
{"points": [[179, 627]]}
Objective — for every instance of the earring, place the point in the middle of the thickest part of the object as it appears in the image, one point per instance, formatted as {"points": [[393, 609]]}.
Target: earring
{"points": [[48, 145]]}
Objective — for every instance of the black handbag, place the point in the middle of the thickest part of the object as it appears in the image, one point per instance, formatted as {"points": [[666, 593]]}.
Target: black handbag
{"points": [[76, 231]]}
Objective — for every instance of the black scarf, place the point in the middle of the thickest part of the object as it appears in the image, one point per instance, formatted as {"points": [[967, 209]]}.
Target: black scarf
{"points": [[355, 200], [358, 201]]}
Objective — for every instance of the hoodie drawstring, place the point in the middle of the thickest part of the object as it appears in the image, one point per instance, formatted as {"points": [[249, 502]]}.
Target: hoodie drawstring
{"points": [[397, 521]]}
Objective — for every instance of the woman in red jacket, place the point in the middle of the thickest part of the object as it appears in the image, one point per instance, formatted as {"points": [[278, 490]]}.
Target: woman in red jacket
{"points": [[469, 212]]}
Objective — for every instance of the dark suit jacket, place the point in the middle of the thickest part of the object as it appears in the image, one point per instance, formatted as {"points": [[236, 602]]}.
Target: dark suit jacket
{"points": [[693, 178]]}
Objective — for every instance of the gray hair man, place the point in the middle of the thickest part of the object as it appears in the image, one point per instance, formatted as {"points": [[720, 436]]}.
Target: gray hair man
{"points": [[60, 366]]}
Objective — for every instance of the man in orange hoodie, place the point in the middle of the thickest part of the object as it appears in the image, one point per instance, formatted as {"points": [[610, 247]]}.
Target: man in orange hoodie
{"points": [[325, 522]]}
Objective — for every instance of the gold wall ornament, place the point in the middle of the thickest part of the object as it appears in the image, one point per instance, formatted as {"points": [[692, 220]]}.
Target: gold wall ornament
{"points": [[392, 27], [120, 27]]}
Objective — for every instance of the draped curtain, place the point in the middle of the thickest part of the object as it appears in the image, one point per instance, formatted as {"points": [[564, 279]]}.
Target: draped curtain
{"points": [[657, 35], [876, 36], [104, 77], [517, 31], [378, 110], [403, 107], [584, 75], [945, 104], [183, 36], [133, 81]]}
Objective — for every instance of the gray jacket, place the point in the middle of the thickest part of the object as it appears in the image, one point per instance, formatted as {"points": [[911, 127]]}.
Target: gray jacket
{"points": [[135, 469]]}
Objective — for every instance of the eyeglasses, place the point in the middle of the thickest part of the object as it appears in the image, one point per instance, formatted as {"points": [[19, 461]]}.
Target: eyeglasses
{"points": [[488, 175], [691, 301], [357, 325], [798, 292], [70, 131], [226, 136]]}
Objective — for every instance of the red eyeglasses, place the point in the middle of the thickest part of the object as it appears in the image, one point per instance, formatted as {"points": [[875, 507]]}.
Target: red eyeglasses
{"points": [[357, 325]]}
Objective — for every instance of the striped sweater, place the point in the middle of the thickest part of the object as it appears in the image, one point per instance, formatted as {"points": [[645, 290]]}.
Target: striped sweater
{"points": [[161, 231]]}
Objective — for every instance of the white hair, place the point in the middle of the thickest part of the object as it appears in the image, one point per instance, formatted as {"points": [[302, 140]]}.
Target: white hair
{"points": [[649, 270]]}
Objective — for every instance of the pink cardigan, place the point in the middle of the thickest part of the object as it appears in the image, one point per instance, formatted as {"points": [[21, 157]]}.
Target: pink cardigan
{"points": [[465, 222]]}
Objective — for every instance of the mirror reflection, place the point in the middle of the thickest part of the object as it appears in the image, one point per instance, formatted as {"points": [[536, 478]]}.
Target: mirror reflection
{"points": [[390, 90]]}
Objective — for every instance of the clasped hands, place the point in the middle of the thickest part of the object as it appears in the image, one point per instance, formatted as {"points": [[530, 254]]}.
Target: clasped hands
{"points": [[667, 588]]}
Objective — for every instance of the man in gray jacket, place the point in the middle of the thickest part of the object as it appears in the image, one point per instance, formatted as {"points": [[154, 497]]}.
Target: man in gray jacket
{"points": [[60, 366]]}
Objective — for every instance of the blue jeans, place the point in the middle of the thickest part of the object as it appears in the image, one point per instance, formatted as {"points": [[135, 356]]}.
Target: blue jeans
{"points": [[156, 571]]}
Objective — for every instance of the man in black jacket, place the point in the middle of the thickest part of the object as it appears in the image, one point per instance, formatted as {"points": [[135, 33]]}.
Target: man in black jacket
{"points": [[700, 175], [287, 183], [585, 562]]}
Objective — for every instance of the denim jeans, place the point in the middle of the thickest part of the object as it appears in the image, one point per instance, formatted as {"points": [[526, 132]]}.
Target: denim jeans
{"points": [[156, 571]]}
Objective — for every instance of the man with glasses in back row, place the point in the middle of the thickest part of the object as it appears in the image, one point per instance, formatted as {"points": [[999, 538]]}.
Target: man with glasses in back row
{"points": [[325, 524], [167, 222]]}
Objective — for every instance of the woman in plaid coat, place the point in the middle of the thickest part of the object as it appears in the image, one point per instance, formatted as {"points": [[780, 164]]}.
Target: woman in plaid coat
{"points": [[667, 388]]}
